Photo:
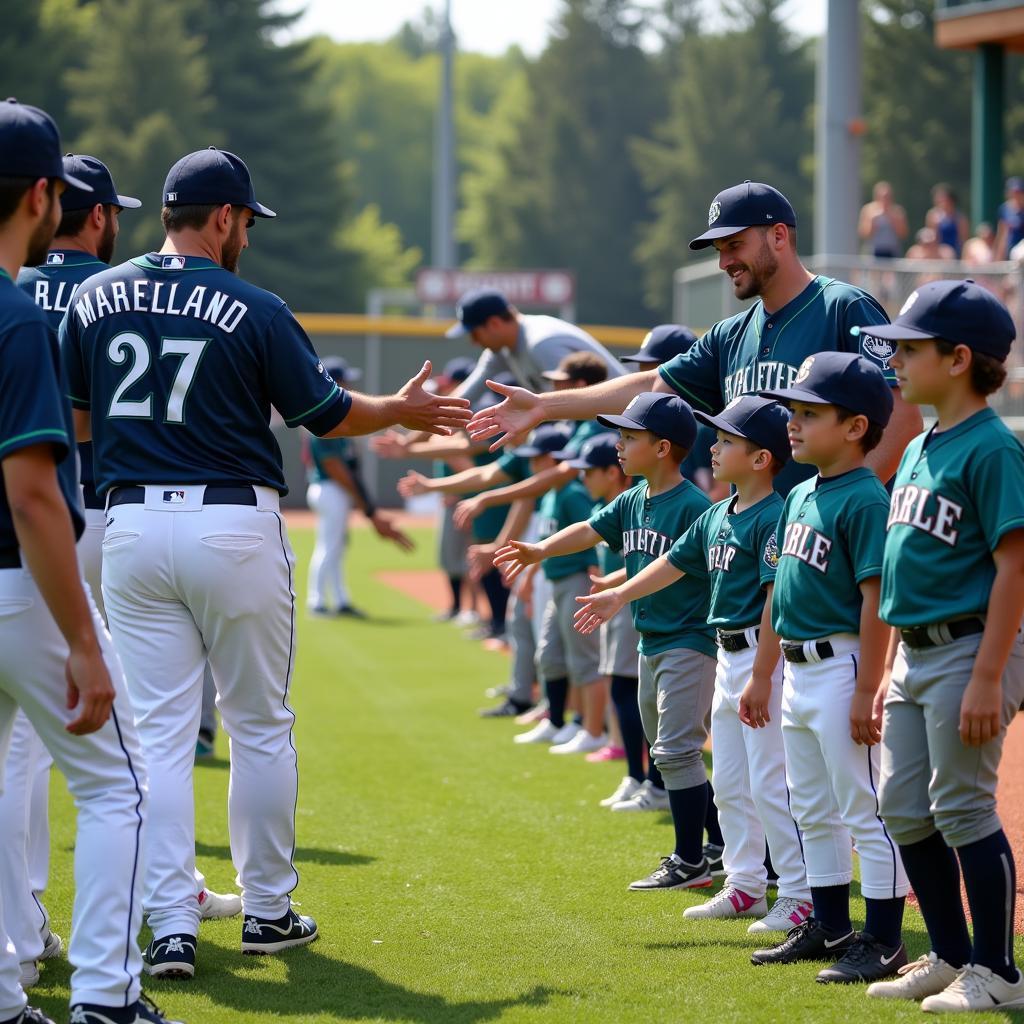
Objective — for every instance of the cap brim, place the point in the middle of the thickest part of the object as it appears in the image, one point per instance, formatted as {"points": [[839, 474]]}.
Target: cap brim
{"points": [[259, 210], [556, 375], [577, 463], [527, 452], [620, 423], [795, 395], [723, 231], [637, 357], [128, 202], [70, 179], [717, 423], [897, 332], [459, 330]]}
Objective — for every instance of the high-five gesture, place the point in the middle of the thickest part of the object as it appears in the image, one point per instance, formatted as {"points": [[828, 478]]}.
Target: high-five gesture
{"points": [[515, 556], [436, 414], [597, 609], [513, 418]]}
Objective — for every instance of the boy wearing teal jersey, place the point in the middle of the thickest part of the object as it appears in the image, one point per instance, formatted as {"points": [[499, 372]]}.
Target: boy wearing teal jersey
{"points": [[954, 556], [733, 545], [676, 643], [825, 610]]}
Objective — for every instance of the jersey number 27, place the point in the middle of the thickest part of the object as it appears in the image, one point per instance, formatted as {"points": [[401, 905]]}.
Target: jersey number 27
{"points": [[129, 345]]}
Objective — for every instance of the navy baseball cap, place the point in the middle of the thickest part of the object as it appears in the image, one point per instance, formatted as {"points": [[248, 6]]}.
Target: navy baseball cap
{"points": [[666, 416], [744, 206], [761, 421], [95, 173], [30, 145], [475, 308], [961, 312], [597, 452], [662, 343], [340, 370], [458, 369], [547, 439], [840, 378], [212, 177]]}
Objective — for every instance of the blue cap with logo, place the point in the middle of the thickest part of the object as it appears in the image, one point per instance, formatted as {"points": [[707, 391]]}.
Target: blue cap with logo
{"points": [[475, 308], [96, 174], [340, 370], [664, 342], [666, 416], [30, 145], [746, 205], [547, 439], [760, 420], [598, 452], [212, 177], [961, 312], [840, 378]]}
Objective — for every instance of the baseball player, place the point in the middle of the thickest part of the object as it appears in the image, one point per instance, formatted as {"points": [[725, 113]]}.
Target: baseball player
{"points": [[954, 554], [825, 610], [67, 680], [174, 364], [753, 228]]}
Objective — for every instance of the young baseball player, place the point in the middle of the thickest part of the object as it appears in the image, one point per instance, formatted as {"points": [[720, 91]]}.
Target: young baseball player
{"points": [[825, 610], [676, 644], [954, 556], [734, 545]]}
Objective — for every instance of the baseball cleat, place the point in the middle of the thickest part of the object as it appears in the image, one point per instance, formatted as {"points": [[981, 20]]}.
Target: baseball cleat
{"points": [[262, 936], [974, 989], [646, 798], [29, 974], [674, 873], [926, 976], [807, 941], [30, 1015], [730, 902], [507, 709], [714, 855], [170, 956], [143, 1012], [626, 788], [866, 960], [52, 946], [582, 742], [216, 905], [543, 732], [787, 912]]}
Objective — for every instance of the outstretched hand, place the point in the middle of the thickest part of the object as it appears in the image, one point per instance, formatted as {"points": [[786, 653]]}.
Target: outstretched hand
{"points": [[412, 483], [386, 529], [515, 556], [436, 414], [597, 609], [389, 444], [512, 419], [465, 512]]}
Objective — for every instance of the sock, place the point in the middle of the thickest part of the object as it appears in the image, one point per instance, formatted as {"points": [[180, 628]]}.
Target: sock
{"points": [[711, 820], [557, 691], [455, 582], [689, 809], [990, 878], [934, 875], [884, 919], [832, 908], [497, 598], [653, 774], [628, 712]]}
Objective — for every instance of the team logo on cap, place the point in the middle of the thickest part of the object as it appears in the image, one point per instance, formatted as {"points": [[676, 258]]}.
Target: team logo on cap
{"points": [[805, 370], [878, 348], [714, 212], [172, 263], [771, 552], [911, 299], [172, 197], [54, 259]]}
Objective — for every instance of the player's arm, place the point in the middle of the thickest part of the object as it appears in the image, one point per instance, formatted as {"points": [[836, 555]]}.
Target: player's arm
{"points": [[613, 579], [532, 487], [477, 478], [599, 608], [865, 728], [516, 555], [756, 695], [393, 444], [481, 556], [47, 542], [83, 424], [982, 704]]}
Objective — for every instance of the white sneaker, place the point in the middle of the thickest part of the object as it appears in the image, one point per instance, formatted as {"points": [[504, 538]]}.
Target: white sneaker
{"points": [[467, 619], [566, 733], [626, 788], [29, 974], [542, 732], [216, 905], [976, 988], [646, 798], [581, 743], [926, 976], [787, 912], [730, 902], [52, 946]]}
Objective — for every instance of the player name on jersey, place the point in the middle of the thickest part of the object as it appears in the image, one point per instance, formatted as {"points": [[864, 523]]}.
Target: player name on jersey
{"points": [[169, 298], [908, 508], [808, 545], [54, 296], [766, 376], [720, 557], [649, 542]]}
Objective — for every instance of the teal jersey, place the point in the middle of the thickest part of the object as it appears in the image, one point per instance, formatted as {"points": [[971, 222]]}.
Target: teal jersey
{"points": [[957, 493], [608, 561], [559, 508], [643, 529], [323, 448], [488, 524], [738, 552], [583, 432], [832, 534], [515, 467], [754, 351]]}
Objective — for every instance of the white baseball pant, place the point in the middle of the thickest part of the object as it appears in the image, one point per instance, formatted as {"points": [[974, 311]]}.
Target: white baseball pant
{"points": [[326, 585]]}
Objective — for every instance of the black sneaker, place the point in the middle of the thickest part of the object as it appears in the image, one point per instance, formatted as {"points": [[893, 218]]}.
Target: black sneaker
{"points": [[674, 873], [143, 1012], [170, 956], [807, 941], [347, 611], [262, 936], [866, 960], [507, 709], [713, 854], [30, 1015]]}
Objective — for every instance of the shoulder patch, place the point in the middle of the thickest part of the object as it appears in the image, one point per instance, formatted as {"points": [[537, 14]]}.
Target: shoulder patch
{"points": [[879, 349], [771, 552]]}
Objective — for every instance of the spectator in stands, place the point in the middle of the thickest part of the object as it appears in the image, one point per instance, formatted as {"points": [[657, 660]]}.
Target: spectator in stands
{"points": [[1010, 230], [927, 246], [946, 219], [979, 249], [883, 223]]}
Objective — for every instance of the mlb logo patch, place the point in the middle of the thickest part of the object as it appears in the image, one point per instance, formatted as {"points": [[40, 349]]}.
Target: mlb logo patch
{"points": [[171, 197], [174, 497], [173, 262], [54, 259]]}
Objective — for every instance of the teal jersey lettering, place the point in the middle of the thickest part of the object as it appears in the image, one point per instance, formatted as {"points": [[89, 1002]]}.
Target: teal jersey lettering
{"points": [[559, 508], [957, 493], [831, 537], [738, 552], [643, 529]]}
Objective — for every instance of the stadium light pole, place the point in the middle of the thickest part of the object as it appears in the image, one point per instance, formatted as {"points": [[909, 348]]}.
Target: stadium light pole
{"points": [[443, 227]]}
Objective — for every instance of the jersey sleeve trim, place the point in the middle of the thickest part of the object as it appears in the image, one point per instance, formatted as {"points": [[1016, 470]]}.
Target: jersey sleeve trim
{"points": [[868, 571], [672, 382], [13, 444], [329, 418], [297, 421], [1017, 523], [79, 403]]}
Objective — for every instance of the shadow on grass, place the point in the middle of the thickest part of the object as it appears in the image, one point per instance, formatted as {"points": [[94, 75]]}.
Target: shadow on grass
{"points": [[303, 854]]}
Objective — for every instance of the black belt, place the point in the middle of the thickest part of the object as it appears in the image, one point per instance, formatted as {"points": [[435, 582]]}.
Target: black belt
{"points": [[796, 653], [90, 499], [242, 494], [919, 636], [732, 642], [10, 558]]}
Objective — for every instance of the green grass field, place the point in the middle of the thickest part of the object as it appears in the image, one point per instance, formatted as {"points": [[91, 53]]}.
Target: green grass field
{"points": [[455, 876]]}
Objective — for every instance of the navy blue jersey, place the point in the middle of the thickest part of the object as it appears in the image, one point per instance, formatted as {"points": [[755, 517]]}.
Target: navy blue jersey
{"points": [[50, 287], [33, 406], [179, 362]]}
